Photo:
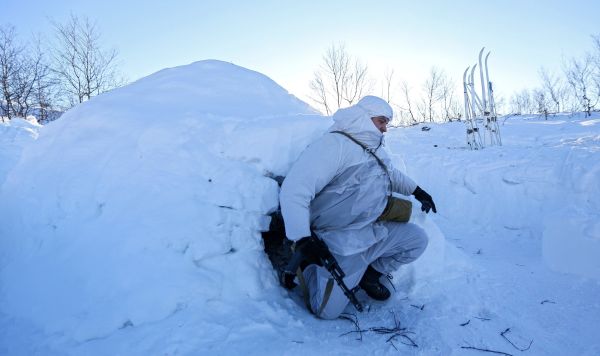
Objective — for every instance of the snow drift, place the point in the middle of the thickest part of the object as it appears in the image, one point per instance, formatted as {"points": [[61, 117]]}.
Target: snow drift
{"points": [[125, 209], [14, 135]]}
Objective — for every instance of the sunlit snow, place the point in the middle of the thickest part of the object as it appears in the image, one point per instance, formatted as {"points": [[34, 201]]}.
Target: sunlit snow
{"points": [[132, 225]]}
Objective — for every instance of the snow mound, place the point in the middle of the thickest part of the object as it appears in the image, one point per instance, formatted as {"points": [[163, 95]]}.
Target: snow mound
{"points": [[147, 198], [14, 136]]}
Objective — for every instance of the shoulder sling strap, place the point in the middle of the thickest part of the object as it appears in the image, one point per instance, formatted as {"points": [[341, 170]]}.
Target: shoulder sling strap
{"points": [[379, 161]]}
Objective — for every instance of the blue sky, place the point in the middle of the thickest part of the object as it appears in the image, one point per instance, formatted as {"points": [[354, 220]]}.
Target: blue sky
{"points": [[286, 39]]}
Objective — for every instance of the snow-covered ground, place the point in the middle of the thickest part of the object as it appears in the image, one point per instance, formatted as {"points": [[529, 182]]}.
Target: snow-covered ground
{"points": [[132, 226]]}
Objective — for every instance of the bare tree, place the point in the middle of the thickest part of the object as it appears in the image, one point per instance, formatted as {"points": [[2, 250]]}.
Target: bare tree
{"points": [[554, 88], [45, 87], [29, 86], [33, 71], [541, 101], [22, 74], [579, 75], [387, 84], [319, 92], [596, 62], [500, 104], [432, 94], [407, 109], [450, 106], [356, 83], [435, 100], [24, 81], [10, 64], [341, 80], [521, 102], [82, 65]]}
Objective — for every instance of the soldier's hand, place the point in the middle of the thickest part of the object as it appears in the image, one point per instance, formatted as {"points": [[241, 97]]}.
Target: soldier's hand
{"points": [[310, 246], [425, 199]]}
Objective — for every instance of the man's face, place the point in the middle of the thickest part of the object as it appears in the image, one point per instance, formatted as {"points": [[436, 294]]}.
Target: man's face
{"points": [[380, 122]]}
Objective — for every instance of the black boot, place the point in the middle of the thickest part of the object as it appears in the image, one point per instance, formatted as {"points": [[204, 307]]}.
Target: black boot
{"points": [[370, 283]]}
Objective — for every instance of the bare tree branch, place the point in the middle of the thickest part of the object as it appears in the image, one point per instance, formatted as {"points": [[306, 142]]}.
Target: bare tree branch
{"points": [[408, 101], [23, 72], [387, 84], [433, 93], [83, 66], [553, 87], [503, 334], [579, 76], [355, 83], [522, 103], [10, 66], [319, 92], [341, 80], [485, 350]]}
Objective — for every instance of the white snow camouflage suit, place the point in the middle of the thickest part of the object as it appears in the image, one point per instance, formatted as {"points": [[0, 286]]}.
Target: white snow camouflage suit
{"points": [[339, 190]]}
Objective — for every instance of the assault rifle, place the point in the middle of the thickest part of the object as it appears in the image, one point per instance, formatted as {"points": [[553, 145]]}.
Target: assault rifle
{"points": [[315, 251]]}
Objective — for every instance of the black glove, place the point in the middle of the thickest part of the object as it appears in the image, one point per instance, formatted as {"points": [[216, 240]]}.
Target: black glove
{"points": [[307, 250], [425, 199], [310, 247]]}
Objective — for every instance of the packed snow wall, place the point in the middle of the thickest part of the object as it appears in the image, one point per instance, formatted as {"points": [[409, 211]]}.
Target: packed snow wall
{"points": [[147, 197], [15, 134]]}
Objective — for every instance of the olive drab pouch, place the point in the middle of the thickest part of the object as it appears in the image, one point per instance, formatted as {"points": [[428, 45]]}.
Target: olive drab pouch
{"points": [[397, 209]]}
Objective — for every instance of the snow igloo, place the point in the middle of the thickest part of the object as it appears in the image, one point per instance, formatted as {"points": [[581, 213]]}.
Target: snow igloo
{"points": [[148, 199]]}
